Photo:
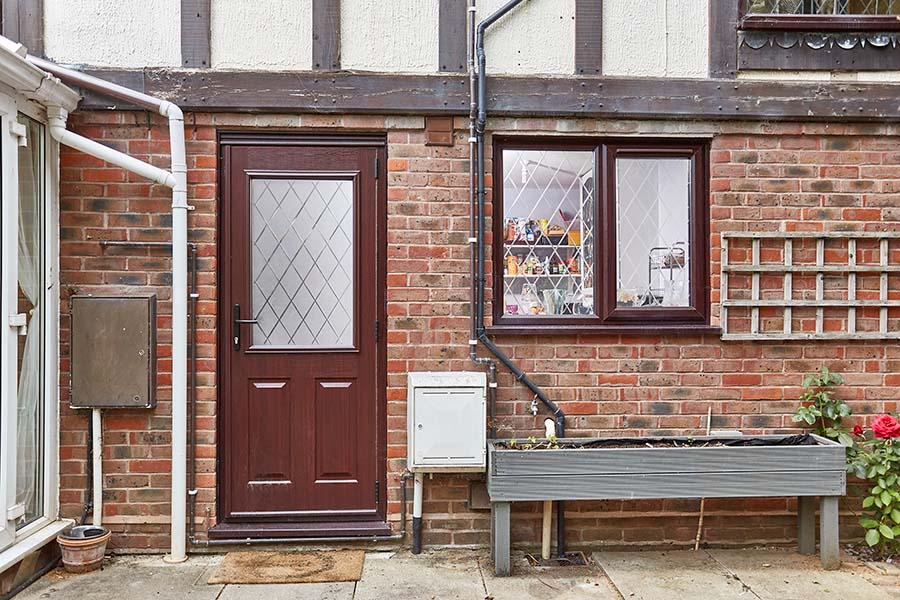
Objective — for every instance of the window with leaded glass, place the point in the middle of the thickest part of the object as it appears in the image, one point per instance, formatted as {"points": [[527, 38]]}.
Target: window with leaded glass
{"points": [[600, 234]]}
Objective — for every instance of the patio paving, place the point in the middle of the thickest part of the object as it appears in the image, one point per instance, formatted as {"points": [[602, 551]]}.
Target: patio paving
{"points": [[468, 575]]}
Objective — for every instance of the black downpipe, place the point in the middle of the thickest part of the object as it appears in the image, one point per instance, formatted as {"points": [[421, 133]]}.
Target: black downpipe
{"points": [[480, 331]]}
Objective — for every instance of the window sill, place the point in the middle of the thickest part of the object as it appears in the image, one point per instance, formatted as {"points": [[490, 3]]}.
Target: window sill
{"points": [[814, 23], [544, 329], [34, 541]]}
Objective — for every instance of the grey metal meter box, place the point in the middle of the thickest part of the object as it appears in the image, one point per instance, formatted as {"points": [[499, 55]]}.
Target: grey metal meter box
{"points": [[113, 351], [447, 420]]}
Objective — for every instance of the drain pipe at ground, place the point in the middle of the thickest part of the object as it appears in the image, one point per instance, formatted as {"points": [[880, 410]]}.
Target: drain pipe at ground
{"points": [[97, 460], [477, 123], [176, 179]]}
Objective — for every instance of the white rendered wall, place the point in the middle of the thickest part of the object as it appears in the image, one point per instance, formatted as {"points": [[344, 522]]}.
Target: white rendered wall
{"points": [[656, 38], [398, 36], [537, 37], [113, 33], [265, 35], [857, 76]]}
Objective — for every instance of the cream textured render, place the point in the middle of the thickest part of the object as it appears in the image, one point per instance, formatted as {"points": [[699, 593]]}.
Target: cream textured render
{"points": [[534, 38], [273, 35], [113, 33], [656, 38], [400, 36]]}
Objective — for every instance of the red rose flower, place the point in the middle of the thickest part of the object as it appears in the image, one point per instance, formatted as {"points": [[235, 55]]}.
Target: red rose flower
{"points": [[857, 430], [886, 427]]}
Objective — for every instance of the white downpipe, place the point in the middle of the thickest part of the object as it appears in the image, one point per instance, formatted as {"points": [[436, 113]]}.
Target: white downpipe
{"points": [[177, 180], [97, 452], [418, 494], [179, 331]]}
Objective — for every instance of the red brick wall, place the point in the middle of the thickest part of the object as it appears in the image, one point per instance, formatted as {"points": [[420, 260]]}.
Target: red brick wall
{"points": [[764, 176]]}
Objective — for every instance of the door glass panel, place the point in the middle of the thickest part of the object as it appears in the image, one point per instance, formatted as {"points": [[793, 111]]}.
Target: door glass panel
{"points": [[30, 350], [302, 263], [653, 199]]}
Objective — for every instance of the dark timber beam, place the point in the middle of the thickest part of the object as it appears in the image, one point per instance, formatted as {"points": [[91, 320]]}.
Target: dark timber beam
{"points": [[452, 36], [23, 22], [594, 97], [326, 35], [723, 53], [195, 34], [588, 37]]}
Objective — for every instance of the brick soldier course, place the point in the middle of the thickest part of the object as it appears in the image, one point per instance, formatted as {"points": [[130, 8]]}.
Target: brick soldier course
{"points": [[764, 176]]}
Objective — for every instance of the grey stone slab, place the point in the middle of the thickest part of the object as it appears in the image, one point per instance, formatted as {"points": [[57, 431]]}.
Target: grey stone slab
{"points": [[782, 575], [442, 575], [144, 578], [669, 575], [543, 583], [290, 591]]}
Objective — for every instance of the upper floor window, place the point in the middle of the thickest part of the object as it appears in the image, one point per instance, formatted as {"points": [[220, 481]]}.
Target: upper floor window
{"points": [[821, 15]]}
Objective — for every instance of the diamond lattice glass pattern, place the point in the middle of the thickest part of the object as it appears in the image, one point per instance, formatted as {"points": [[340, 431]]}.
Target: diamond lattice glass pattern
{"points": [[548, 249], [302, 262], [824, 7], [652, 232]]}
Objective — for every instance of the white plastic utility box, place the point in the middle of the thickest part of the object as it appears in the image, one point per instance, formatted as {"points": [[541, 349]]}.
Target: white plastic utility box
{"points": [[447, 421]]}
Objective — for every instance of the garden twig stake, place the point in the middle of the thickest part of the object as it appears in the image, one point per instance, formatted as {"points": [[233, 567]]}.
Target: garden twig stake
{"points": [[703, 500]]}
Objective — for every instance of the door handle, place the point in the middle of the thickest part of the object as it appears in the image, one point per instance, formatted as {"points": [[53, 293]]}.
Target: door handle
{"points": [[237, 322]]}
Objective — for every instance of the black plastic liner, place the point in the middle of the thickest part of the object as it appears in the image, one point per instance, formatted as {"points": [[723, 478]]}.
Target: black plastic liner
{"points": [[803, 439]]}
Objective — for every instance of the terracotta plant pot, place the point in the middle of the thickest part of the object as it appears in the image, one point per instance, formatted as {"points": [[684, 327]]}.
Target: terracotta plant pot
{"points": [[83, 547]]}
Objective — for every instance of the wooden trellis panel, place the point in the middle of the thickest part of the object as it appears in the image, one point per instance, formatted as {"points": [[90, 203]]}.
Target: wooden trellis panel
{"points": [[755, 269]]}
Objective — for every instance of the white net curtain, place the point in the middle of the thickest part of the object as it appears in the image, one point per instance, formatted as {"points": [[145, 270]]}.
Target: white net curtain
{"points": [[30, 302]]}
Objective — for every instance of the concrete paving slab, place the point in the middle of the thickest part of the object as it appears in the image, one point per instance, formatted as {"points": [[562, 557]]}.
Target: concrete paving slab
{"points": [[668, 575], [558, 583], [290, 591], [783, 575], [444, 575], [143, 578]]}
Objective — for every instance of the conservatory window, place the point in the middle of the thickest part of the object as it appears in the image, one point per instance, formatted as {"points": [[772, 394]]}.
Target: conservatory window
{"points": [[600, 234]]}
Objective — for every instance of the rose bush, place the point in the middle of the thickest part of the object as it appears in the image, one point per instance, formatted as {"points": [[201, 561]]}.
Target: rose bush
{"points": [[877, 459]]}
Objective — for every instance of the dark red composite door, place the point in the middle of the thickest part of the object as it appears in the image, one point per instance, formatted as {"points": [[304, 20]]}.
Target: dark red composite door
{"points": [[302, 290]]}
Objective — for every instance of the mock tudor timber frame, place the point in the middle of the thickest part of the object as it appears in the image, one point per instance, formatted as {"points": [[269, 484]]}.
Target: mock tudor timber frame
{"points": [[587, 97]]}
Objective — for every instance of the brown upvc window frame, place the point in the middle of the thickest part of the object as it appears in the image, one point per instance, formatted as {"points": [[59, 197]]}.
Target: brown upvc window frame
{"points": [[608, 317], [815, 23]]}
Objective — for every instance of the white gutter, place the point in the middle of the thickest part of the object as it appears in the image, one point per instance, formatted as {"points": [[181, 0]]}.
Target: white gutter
{"points": [[176, 179]]}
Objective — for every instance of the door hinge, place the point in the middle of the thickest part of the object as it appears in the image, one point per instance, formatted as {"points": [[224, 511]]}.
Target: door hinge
{"points": [[377, 492], [377, 331], [377, 167]]}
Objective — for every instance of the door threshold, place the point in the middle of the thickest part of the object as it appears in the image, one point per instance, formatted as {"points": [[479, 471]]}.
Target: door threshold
{"points": [[320, 530]]}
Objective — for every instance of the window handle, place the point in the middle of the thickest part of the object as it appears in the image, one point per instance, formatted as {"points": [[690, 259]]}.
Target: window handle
{"points": [[19, 321], [236, 327]]}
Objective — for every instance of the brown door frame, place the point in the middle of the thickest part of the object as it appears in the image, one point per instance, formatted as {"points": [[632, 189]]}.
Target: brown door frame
{"points": [[225, 140]]}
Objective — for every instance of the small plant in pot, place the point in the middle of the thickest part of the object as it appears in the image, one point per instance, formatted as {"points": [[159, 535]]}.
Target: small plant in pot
{"points": [[83, 547]]}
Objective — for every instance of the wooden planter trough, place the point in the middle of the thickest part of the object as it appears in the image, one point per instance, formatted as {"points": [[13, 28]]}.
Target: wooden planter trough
{"points": [[805, 466]]}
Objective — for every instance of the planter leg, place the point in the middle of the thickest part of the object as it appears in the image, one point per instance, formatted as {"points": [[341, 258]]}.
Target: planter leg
{"points": [[806, 524], [829, 547], [500, 526]]}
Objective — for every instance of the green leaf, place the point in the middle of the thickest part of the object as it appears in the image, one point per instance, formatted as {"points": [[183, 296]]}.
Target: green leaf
{"points": [[886, 498], [845, 439], [886, 531], [868, 501], [895, 515], [868, 523], [810, 419], [873, 537], [871, 472]]}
